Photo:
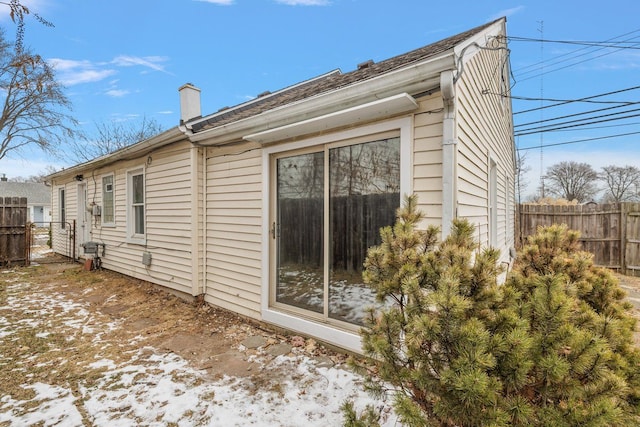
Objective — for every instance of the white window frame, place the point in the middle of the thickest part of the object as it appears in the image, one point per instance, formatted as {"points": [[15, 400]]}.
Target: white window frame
{"points": [[345, 338], [62, 208], [111, 223], [132, 236]]}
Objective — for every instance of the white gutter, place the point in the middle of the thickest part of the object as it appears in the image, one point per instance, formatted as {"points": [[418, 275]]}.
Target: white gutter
{"points": [[449, 151], [411, 79]]}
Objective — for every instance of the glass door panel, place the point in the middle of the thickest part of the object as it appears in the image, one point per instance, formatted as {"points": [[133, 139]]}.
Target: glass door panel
{"points": [[299, 231], [364, 194]]}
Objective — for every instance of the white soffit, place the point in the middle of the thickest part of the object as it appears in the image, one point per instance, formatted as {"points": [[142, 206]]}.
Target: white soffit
{"points": [[379, 109]]}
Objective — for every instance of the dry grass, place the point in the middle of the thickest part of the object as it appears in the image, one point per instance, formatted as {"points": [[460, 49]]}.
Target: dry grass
{"points": [[62, 320], [47, 343]]}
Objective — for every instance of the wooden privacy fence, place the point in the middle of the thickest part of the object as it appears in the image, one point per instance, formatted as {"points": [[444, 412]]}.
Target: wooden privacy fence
{"points": [[354, 227], [610, 231], [14, 231]]}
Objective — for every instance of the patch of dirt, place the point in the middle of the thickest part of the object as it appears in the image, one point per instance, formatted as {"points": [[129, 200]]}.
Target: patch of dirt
{"points": [[209, 338]]}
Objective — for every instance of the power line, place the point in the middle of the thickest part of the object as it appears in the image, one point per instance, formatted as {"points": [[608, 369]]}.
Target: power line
{"points": [[574, 115], [580, 43], [573, 124], [617, 125], [572, 65], [583, 119], [568, 101], [574, 51], [577, 141], [572, 55]]}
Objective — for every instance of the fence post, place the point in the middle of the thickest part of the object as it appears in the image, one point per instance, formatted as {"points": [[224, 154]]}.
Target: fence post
{"points": [[73, 238], [28, 238], [623, 238]]}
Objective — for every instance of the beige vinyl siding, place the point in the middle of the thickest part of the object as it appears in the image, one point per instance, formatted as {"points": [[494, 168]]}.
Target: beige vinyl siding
{"points": [[234, 227], [427, 158], [167, 217], [484, 133]]}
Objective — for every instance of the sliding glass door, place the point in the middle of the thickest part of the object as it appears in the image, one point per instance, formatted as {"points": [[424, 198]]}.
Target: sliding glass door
{"points": [[329, 207]]}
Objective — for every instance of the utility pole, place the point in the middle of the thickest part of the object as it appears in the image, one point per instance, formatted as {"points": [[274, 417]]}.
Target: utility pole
{"points": [[541, 30]]}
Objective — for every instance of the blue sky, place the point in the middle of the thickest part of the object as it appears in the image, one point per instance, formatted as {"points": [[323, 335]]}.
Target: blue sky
{"points": [[124, 60]]}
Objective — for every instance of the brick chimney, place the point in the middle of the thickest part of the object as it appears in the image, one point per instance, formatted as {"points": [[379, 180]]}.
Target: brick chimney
{"points": [[189, 103]]}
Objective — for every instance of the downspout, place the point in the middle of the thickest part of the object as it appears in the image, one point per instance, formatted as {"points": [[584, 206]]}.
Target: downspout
{"points": [[204, 221], [196, 287], [190, 109], [449, 151]]}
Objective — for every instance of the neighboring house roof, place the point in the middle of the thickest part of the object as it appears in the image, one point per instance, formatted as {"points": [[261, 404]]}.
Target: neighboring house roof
{"points": [[37, 194], [330, 81]]}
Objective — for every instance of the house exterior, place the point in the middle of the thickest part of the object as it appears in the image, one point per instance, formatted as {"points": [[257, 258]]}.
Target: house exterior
{"points": [[38, 199], [267, 208]]}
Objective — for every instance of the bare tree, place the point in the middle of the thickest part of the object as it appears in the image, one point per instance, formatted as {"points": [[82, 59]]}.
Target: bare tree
{"points": [[521, 170], [18, 12], [34, 106], [39, 177], [572, 181], [113, 136], [621, 183]]}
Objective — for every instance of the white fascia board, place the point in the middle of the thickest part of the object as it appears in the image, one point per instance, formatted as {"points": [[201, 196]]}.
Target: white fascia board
{"points": [[382, 108], [127, 153], [410, 79]]}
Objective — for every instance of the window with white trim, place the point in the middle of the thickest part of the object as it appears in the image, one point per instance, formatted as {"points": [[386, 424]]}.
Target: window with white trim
{"points": [[108, 200], [136, 206], [328, 203], [62, 208]]}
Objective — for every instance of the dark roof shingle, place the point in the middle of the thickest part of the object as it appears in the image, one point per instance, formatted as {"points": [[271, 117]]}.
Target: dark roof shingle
{"points": [[330, 82]]}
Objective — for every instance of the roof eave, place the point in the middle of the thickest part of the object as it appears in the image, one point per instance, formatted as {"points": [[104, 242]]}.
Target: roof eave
{"points": [[411, 79], [136, 150]]}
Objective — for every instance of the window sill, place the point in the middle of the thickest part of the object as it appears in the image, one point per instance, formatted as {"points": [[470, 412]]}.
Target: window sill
{"points": [[345, 339], [136, 240]]}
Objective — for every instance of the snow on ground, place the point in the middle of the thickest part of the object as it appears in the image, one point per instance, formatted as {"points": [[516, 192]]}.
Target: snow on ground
{"points": [[161, 390], [348, 300], [150, 387]]}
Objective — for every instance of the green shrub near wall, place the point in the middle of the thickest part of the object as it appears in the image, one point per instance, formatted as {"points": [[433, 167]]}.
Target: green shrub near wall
{"points": [[551, 347]]}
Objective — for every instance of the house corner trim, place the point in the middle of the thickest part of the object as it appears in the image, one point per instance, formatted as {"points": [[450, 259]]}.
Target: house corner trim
{"points": [[449, 150]]}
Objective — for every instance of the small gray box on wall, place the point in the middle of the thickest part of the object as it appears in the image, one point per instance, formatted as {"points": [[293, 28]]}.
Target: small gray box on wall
{"points": [[146, 258]]}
